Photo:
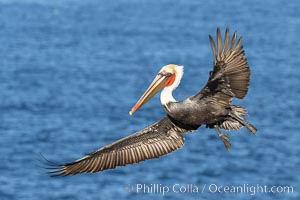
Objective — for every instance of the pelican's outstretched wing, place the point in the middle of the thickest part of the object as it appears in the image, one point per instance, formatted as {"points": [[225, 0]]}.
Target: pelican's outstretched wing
{"points": [[230, 76], [153, 141]]}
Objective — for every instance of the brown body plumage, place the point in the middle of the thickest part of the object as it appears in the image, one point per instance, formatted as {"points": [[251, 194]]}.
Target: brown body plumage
{"points": [[211, 106]]}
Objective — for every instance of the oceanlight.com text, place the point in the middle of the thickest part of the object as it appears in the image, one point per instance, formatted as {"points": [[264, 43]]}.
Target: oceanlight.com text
{"points": [[163, 189]]}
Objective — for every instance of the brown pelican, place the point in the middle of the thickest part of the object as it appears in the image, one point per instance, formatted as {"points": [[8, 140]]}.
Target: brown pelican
{"points": [[211, 106]]}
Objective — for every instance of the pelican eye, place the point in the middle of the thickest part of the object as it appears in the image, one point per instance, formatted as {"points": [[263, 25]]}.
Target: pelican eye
{"points": [[165, 74]]}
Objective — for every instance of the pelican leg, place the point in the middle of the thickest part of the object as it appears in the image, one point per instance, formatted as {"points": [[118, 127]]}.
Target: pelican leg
{"points": [[224, 137]]}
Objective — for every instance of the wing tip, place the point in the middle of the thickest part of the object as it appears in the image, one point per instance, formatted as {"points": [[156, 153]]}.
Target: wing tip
{"points": [[53, 168]]}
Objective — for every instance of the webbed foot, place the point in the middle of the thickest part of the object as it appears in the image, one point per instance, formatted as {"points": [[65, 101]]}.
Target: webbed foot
{"points": [[224, 137]]}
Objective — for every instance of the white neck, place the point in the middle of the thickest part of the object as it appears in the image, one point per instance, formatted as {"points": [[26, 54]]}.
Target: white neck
{"points": [[166, 94]]}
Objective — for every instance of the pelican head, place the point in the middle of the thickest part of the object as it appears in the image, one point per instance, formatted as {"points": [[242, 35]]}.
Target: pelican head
{"points": [[168, 79]]}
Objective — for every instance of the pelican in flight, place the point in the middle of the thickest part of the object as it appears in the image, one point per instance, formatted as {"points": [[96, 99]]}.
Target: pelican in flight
{"points": [[211, 107]]}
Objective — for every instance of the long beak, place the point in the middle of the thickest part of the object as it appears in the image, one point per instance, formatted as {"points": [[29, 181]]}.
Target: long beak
{"points": [[157, 84]]}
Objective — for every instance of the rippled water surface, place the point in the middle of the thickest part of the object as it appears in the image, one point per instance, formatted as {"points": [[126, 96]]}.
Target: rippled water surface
{"points": [[71, 70]]}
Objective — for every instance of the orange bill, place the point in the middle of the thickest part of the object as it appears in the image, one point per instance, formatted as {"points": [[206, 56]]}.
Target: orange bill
{"points": [[157, 84]]}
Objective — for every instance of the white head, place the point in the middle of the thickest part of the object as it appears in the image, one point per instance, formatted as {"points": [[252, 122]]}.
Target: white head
{"points": [[168, 79]]}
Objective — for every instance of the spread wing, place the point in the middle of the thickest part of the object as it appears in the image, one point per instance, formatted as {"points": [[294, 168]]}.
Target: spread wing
{"points": [[153, 141], [230, 76]]}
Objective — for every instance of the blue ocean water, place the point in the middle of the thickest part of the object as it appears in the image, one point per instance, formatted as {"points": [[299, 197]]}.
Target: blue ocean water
{"points": [[71, 70]]}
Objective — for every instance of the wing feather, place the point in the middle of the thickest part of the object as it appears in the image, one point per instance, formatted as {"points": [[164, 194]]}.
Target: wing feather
{"points": [[213, 46], [225, 42], [219, 40], [230, 76], [153, 141]]}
